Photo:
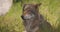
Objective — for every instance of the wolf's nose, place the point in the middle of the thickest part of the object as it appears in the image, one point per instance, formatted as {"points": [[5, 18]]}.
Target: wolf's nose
{"points": [[22, 17]]}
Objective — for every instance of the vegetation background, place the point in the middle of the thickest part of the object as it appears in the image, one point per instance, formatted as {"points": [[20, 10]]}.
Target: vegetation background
{"points": [[12, 21]]}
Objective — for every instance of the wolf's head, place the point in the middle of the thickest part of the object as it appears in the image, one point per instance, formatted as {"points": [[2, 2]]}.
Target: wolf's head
{"points": [[30, 11]]}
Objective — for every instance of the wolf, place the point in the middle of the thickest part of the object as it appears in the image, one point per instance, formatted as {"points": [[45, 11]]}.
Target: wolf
{"points": [[33, 20]]}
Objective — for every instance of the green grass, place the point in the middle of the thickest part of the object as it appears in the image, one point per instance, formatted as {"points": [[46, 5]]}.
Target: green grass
{"points": [[12, 21]]}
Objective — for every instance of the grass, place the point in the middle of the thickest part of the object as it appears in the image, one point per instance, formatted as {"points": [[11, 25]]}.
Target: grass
{"points": [[12, 21]]}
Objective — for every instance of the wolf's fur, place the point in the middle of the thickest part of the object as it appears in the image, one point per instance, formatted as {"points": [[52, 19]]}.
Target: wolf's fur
{"points": [[32, 20]]}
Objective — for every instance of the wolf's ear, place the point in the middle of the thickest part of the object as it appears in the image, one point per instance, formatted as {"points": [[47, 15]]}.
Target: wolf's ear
{"points": [[37, 5], [24, 6]]}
